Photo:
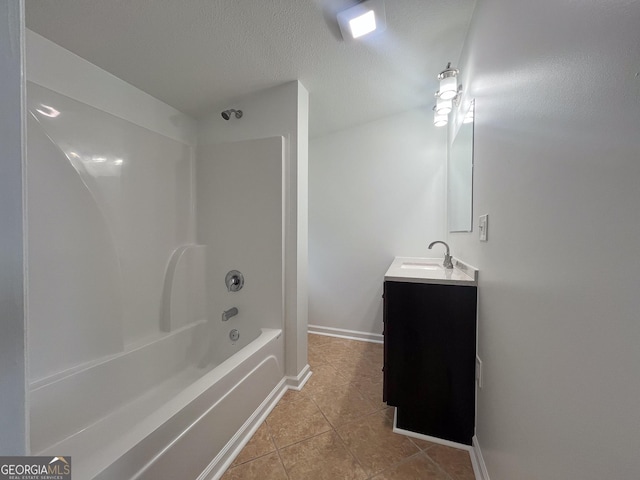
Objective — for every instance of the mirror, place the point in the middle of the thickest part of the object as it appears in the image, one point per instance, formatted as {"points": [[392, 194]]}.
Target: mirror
{"points": [[460, 174]]}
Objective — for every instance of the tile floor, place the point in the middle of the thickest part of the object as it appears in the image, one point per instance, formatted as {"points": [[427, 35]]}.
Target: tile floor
{"points": [[338, 428]]}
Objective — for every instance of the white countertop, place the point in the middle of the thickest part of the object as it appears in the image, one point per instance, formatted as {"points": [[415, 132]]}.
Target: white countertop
{"points": [[430, 270]]}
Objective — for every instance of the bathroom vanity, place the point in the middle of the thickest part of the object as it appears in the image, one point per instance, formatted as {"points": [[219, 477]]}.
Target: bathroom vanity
{"points": [[430, 347]]}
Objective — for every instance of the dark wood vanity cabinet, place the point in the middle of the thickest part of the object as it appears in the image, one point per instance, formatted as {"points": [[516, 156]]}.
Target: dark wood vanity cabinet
{"points": [[429, 358]]}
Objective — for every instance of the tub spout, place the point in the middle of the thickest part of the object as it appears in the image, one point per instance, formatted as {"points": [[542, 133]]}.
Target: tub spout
{"points": [[227, 314]]}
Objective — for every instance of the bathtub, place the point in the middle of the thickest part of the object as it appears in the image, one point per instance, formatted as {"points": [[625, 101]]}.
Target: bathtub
{"points": [[188, 425]]}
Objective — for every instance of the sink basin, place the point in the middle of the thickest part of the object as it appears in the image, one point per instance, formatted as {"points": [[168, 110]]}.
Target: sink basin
{"points": [[430, 270], [422, 266]]}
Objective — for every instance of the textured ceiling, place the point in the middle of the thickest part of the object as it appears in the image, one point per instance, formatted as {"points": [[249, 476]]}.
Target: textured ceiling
{"points": [[199, 54]]}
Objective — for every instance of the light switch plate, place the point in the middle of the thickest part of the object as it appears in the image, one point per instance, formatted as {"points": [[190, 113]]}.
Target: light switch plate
{"points": [[483, 227]]}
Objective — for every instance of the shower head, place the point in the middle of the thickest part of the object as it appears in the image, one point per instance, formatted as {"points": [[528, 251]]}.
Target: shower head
{"points": [[227, 113]]}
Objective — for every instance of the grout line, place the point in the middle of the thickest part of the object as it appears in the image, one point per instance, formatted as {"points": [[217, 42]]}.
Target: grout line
{"points": [[335, 431], [251, 459], [450, 477], [438, 466], [302, 440], [333, 428], [346, 445], [286, 472], [275, 444], [397, 464]]}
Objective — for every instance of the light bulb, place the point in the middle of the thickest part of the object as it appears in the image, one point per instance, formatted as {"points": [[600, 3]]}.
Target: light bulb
{"points": [[448, 88], [443, 106], [440, 120], [365, 23]]}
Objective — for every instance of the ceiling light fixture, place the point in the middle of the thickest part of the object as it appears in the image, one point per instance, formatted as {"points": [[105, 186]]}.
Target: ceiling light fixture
{"points": [[447, 96], [362, 19], [365, 23]]}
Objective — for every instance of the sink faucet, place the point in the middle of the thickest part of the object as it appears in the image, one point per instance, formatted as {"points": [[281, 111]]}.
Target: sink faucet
{"points": [[447, 257]]}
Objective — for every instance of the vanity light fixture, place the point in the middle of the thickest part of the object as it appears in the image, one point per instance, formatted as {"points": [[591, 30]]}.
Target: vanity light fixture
{"points": [[448, 83], [447, 96], [440, 119], [443, 106], [362, 19]]}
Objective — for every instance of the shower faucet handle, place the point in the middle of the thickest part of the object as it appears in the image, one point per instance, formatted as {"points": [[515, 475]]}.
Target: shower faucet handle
{"points": [[234, 280]]}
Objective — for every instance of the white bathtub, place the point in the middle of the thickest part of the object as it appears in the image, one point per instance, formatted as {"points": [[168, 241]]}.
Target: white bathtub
{"points": [[188, 426]]}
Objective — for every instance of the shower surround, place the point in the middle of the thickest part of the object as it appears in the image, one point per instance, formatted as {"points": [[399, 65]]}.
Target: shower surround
{"points": [[132, 228]]}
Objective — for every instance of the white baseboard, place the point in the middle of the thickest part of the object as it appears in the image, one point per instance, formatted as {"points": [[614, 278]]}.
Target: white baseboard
{"points": [[441, 441], [343, 333], [479, 467], [297, 382]]}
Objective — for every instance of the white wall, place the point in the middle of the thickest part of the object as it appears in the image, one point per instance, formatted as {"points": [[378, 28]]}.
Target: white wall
{"points": [[376, 191], [279, 111], [13, 417], [557, 169], [240, 218]]}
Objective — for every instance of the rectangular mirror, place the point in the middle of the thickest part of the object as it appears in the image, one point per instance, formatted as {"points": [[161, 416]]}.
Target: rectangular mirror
{"points": [[460, 174]]}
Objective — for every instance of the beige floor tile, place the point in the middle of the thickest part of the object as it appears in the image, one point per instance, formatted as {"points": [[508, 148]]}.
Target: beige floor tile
{"points": [[456, 462], [333, 350], [372, 351], [371, 390], [336, 353], [373, 442], [418, 467], [268, 467], [294, 420], [259, 445], [321, 458], [342, 403], [315, 356], [314, 339], [423, 444], [290, 395], [374, 348], [359, 348], [376, 358], [323, 376], [355, 369]]}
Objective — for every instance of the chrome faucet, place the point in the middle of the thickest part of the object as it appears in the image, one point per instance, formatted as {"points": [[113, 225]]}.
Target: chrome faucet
{"points": [[447, 257], [227, 314]]}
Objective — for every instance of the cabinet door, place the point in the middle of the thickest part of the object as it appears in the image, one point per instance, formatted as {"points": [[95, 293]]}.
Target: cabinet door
{"points": [[430, 338]]}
